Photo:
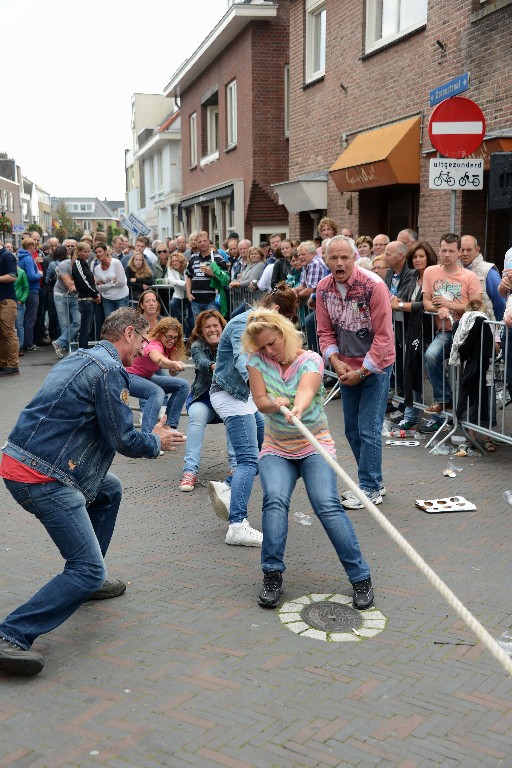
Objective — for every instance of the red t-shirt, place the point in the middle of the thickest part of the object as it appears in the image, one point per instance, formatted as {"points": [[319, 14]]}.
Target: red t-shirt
{"points": [[12, 469]]}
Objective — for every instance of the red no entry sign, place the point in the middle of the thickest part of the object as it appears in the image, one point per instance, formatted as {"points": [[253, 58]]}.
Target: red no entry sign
{"points": [[456, 127]]}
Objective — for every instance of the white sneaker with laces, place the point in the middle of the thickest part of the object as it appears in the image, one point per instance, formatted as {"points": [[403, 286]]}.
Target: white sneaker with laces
{"points": [[241, 534], [352, 502], [220, 496]]}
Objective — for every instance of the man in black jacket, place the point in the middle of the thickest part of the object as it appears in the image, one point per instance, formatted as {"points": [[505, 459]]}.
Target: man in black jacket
{"points": [[88, 295]]}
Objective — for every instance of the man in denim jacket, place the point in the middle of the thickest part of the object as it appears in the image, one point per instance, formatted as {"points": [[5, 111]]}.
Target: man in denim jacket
{"points": [[55, 465]]}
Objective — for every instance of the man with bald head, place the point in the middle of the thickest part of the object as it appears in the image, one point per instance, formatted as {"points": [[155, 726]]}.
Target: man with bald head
{"points": [[408, 237], [487, 273], [379, 244]]}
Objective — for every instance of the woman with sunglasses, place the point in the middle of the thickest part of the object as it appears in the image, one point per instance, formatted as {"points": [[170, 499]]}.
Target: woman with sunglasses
{"points": [[163, 349]]}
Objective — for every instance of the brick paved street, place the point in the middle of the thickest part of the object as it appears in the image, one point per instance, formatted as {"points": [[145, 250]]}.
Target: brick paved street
{"points": [[186, 670]]}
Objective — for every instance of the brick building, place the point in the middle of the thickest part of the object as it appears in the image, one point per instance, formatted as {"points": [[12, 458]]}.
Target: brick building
{"points": [[360, 77], [231, 95]]}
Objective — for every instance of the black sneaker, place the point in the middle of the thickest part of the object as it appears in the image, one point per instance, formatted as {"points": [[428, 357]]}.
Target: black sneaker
{"points": [[428, 426], [17, 661], [363, 594], [109, 590], [271, 590]]}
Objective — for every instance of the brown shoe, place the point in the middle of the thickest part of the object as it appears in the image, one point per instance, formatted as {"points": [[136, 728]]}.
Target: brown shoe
{"points": [[439, 408]]}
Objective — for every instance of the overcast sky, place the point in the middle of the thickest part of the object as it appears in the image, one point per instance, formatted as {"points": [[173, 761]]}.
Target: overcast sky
{"points": [[69, 72]]}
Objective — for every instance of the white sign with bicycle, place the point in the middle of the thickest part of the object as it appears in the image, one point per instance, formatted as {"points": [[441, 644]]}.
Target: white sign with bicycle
{"points": [[447, 173]]}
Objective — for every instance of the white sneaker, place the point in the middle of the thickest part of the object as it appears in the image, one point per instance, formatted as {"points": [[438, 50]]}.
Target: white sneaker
{"points": [[346, 494], [352, 502], [220, 496], [241, 534]]}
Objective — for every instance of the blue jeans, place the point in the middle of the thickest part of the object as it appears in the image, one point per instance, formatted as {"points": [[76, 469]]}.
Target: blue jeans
{"points": [[20, 319], [110, 305], [310, 330], [153, 391], [69, 319], [278, 479], [82, 534], [364, 406], [411, 413], [435, 355], [181, 310], [199, 415], [246, 435], [198, 306]]}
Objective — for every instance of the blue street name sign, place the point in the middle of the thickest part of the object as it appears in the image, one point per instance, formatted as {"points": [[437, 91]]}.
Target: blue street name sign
{"points": [[449, 89]]}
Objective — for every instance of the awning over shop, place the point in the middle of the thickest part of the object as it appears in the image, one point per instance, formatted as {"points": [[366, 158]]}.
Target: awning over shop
{"points": [[303, 194], [378, 158], [207, 196]]}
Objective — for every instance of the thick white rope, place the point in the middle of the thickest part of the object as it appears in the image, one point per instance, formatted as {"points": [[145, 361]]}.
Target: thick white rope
{"points": [[469, 620]]}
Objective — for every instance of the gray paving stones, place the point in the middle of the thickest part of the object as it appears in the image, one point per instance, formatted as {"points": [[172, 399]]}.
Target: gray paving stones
{"points": [[186, 670]]}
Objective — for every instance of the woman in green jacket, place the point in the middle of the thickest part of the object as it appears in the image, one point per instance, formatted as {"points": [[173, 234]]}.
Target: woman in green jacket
{"points": [[21, 288]]}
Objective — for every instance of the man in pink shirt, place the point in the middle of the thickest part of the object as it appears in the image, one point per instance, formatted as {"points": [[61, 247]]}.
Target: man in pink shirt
{"points": [[447, 288], [355, 331]]}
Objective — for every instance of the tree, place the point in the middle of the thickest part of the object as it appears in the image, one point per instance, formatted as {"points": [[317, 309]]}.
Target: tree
{"points": [[64, 218], [100, 227], [35, 228], [78, 233], [112, 231], [61, 233]]}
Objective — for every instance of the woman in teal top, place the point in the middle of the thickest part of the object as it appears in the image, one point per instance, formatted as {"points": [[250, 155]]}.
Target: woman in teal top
{"points": [[282, 373]]}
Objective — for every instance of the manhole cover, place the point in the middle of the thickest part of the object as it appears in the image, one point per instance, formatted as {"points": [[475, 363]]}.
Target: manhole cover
{"points": [[331, 617]]}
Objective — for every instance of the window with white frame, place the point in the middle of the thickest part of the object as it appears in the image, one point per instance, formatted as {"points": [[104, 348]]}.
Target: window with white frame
{"points": [[6, 200], [315, 39], [12, 201], [287, 100], [193, 138], [212, 129], [387, 20], [231, 114]]}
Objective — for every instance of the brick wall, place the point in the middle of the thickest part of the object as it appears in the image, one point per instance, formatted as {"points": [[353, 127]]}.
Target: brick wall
{"points": [[256, 59], [391, 85]]}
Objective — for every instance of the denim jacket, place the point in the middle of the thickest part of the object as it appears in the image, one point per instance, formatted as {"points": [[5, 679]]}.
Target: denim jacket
{"points": [[74, 425], [230, 372], [203, 357]]}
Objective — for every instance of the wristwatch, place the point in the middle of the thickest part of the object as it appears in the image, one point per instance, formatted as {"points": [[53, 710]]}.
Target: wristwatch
{"points": [[400, 305], [360, 373]]}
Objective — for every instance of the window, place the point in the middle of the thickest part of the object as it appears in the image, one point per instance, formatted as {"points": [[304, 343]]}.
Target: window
{"points": [[315, 39], [390, 19], [287, 100], [212, 129], [12, 201], [193, 138], [6, 200], [231, 113], [86, 225], [159, 171], [151, 164]]}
